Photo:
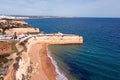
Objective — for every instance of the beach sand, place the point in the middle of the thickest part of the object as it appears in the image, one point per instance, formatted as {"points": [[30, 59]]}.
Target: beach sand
{"points": [[42, 67]]}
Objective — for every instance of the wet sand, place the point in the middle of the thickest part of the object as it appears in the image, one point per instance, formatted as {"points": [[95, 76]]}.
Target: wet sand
{"points": [[42, 67]]}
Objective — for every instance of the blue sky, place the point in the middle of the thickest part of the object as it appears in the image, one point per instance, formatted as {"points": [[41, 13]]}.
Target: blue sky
{"points": [[76, 8]]}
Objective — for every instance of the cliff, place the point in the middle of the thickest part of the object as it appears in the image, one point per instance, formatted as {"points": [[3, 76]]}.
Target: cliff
{"points": [[7, 47], [22, 30]]}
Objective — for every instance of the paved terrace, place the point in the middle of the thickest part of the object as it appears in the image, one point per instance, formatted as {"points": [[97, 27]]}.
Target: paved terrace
{"points": [[57, 39]]}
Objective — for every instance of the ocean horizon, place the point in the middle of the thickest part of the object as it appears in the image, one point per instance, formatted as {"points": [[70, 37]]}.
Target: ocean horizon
{"points": [[98, 58]]}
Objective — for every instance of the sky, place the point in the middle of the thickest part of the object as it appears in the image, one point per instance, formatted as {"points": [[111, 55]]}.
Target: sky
{"points": [[69, 8]]}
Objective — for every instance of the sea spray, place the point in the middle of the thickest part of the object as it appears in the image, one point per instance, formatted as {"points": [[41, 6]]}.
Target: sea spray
{"points": [[60, 76]]}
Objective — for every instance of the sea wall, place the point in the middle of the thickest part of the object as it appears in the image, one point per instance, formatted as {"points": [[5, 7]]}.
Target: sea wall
{"points": [[22, 30], [58, 39]]}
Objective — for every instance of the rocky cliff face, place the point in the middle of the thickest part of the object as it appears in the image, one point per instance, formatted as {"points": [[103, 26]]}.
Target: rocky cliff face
{"points": [[12, 25], [22, 30], [6, 47]]}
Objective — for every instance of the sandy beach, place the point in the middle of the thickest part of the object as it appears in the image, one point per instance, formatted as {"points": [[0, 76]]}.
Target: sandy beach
{"points": [[42, 68]]}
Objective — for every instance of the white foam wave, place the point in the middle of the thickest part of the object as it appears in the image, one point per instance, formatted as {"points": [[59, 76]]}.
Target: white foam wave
{"points": [[60, 76]]}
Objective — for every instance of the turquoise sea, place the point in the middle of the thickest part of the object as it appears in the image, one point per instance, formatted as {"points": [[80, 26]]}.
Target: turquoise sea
{"points": [[98, 58]]}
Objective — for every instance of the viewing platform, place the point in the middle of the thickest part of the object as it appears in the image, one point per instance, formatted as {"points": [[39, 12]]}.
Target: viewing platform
{"points": [[56, 39]]}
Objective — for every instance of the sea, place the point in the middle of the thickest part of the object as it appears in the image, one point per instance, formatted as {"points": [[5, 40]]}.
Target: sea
{"points": [[98, 58]]}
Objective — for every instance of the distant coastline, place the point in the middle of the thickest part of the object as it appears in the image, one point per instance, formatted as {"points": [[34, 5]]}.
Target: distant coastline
{"points": [[35, 17]]}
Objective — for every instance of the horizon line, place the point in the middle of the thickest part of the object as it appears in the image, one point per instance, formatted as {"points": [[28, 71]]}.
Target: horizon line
{"points": [[59, 16]]}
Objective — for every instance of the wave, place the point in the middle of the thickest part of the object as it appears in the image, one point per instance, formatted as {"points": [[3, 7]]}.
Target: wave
{"points": [[59, 76]]}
